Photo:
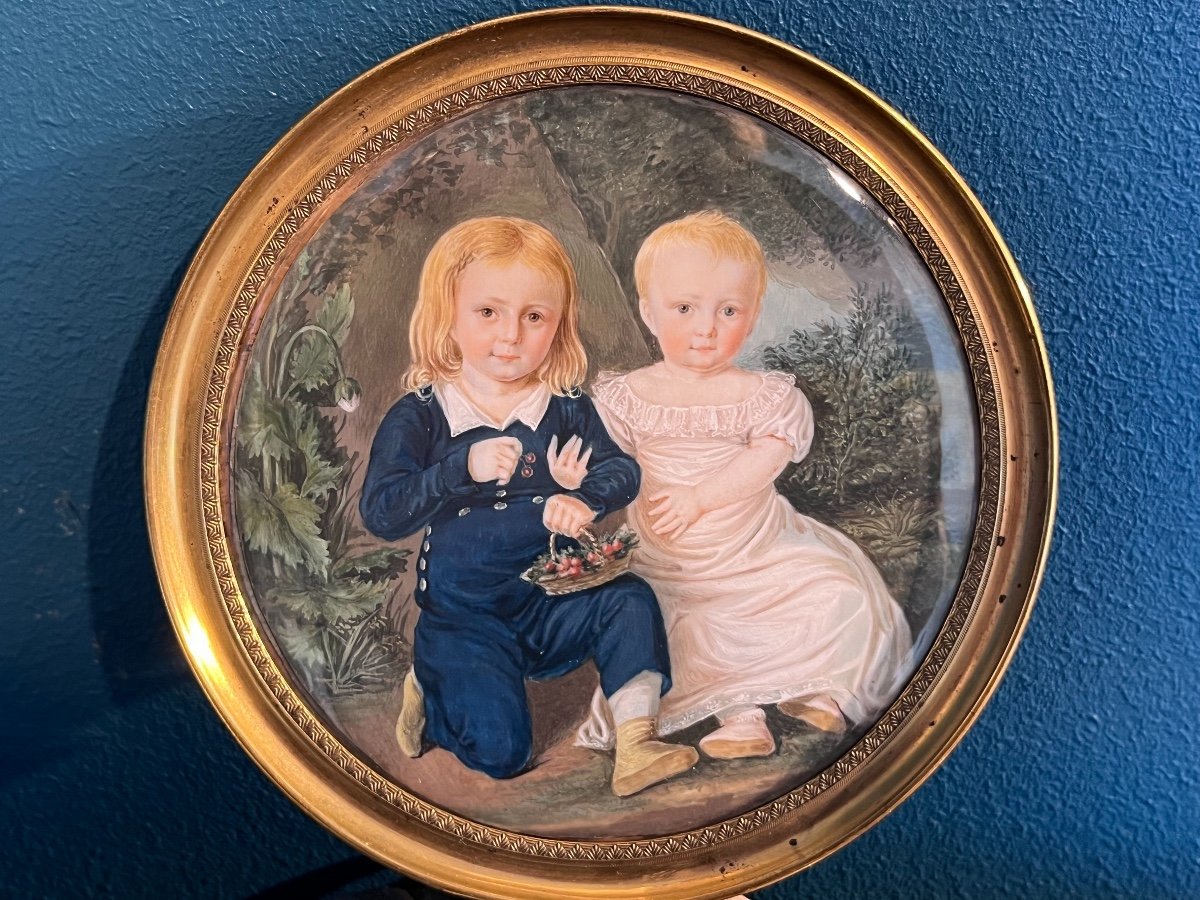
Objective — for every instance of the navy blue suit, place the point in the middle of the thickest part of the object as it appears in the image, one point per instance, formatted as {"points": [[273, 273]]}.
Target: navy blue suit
{"points": [[482, 630]]}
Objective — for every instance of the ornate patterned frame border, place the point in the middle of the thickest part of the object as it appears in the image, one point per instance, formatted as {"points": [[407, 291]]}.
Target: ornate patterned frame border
{"points": [[433, 115], [269, 218]]}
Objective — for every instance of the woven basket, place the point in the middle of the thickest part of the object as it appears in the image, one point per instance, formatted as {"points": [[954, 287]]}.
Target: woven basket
{"points": [[606, 571]]}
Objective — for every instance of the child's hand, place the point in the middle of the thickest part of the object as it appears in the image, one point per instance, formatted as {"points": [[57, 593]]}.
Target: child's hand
{"points": [[568, 467], [567, 515], [494, 459], [675, 509]]}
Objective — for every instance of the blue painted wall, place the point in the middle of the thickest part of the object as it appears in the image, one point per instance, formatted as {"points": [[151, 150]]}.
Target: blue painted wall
{"points": [[126, 126]]}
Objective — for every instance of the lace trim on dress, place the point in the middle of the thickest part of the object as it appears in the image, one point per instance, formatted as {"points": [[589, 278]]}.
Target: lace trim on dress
{"points": [[729, 420]]}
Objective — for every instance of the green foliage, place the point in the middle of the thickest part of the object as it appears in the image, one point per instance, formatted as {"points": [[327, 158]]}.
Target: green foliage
{"points": [[362, 653], [630, 167], [293, 508], [381, 564], [282, 524], [335, 314], [872, 470], [312, 363], [356, 652], [319, 602], [894, 528], [321, 475], [302, 644], [317, 574], [262, 430], [416, 182]]}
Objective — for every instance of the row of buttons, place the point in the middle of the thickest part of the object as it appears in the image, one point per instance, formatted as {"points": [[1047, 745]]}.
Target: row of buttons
{"points": [[425, 549], [499, 504]]}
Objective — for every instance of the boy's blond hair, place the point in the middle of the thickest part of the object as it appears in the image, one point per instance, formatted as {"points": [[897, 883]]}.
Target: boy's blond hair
{"points": [[722, 236], [501, 239]]}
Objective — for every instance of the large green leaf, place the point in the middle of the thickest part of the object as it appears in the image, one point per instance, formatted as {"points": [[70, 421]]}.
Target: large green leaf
{"points": [[261, 428], [303, 646], [312, 362], [336, 312], [344, 598], [296, 603], [282, 525], [320, 475]]}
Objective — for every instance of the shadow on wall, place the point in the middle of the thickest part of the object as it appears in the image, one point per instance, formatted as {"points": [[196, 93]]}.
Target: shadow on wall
{"points": [[105, 233], [97, 240], [164, 192], [137, 649], [168, 190]]}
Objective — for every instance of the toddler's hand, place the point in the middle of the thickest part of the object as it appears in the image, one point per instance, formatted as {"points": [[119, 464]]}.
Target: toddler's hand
{"points": [[675, 509], [568, 467], [567, 515], [494, 459]]}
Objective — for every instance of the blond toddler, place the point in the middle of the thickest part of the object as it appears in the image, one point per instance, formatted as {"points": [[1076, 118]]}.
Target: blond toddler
{"points": [[762, 605]]}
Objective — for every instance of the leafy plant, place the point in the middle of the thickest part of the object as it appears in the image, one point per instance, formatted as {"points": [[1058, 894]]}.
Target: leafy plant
{"points": [[876, 431], [320, 589], [407, 188], [318, 575], [363, 653], [630, 166]]}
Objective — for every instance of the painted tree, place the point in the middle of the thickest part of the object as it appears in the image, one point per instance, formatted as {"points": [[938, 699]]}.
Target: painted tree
{"points": [[421, 177], [873, 466], [633, 159]]}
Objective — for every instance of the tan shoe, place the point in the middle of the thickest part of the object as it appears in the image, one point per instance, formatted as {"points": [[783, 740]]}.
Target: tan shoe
{"points": [[743, 737], [410, 726], [642, 761], [815, 714]]}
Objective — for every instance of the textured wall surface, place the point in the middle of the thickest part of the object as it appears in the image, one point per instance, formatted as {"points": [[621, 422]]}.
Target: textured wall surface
{"points": [[126, 127]]}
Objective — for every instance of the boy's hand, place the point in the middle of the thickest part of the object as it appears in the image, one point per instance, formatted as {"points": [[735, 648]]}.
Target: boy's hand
{"points": [[567, 515], [674, 510], [568, 468], [494, 459]]}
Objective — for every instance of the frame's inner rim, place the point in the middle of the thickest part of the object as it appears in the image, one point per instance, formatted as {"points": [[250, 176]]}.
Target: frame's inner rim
{"points": [[662, 75]]}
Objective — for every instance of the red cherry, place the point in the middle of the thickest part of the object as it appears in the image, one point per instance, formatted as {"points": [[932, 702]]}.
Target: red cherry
{"points": [[618, 546], [551, 566], [594, 557]]}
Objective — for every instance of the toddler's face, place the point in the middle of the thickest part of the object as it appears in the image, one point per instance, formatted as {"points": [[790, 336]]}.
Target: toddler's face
{"points": [[700, 307], [505, 318]]}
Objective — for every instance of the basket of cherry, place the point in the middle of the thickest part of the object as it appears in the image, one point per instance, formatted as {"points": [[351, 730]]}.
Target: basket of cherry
{"points": [[596, 561]]}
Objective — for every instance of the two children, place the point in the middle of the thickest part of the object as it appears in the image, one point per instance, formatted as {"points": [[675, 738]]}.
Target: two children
{"points": [[761, 605]]}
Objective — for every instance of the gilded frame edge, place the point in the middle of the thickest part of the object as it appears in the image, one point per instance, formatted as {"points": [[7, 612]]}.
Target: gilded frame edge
{"points": [[895, 164]]}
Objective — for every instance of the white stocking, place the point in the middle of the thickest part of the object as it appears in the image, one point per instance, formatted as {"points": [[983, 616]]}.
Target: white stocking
{"points": [[636, 698]]}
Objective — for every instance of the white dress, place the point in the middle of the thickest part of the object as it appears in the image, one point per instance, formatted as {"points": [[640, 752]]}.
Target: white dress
{"points": [[761, 603]]}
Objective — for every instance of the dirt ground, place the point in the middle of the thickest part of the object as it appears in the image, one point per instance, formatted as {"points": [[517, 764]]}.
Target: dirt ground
{"points": [[566, 794]]}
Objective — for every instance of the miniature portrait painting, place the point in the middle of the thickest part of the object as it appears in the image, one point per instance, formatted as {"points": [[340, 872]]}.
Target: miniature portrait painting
{"points": [[605, 464]]}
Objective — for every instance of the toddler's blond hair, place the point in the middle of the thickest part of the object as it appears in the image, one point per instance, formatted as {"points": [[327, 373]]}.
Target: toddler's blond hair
{"points": [[502, 239], [721, 235]]}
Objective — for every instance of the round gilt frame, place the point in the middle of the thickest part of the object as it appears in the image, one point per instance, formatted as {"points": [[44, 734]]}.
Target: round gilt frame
{"points": [[326, 155]]}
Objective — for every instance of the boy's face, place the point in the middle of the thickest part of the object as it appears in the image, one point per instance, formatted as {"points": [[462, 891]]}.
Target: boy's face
{"points": [[506, 315], [700, 307]]}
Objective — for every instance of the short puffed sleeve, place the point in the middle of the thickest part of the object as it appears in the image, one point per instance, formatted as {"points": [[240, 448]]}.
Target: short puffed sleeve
{"points": [[785, 414], [610, 395]]}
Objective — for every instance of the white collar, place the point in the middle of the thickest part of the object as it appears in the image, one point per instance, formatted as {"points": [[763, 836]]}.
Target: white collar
{"points": [[463, 415]]}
